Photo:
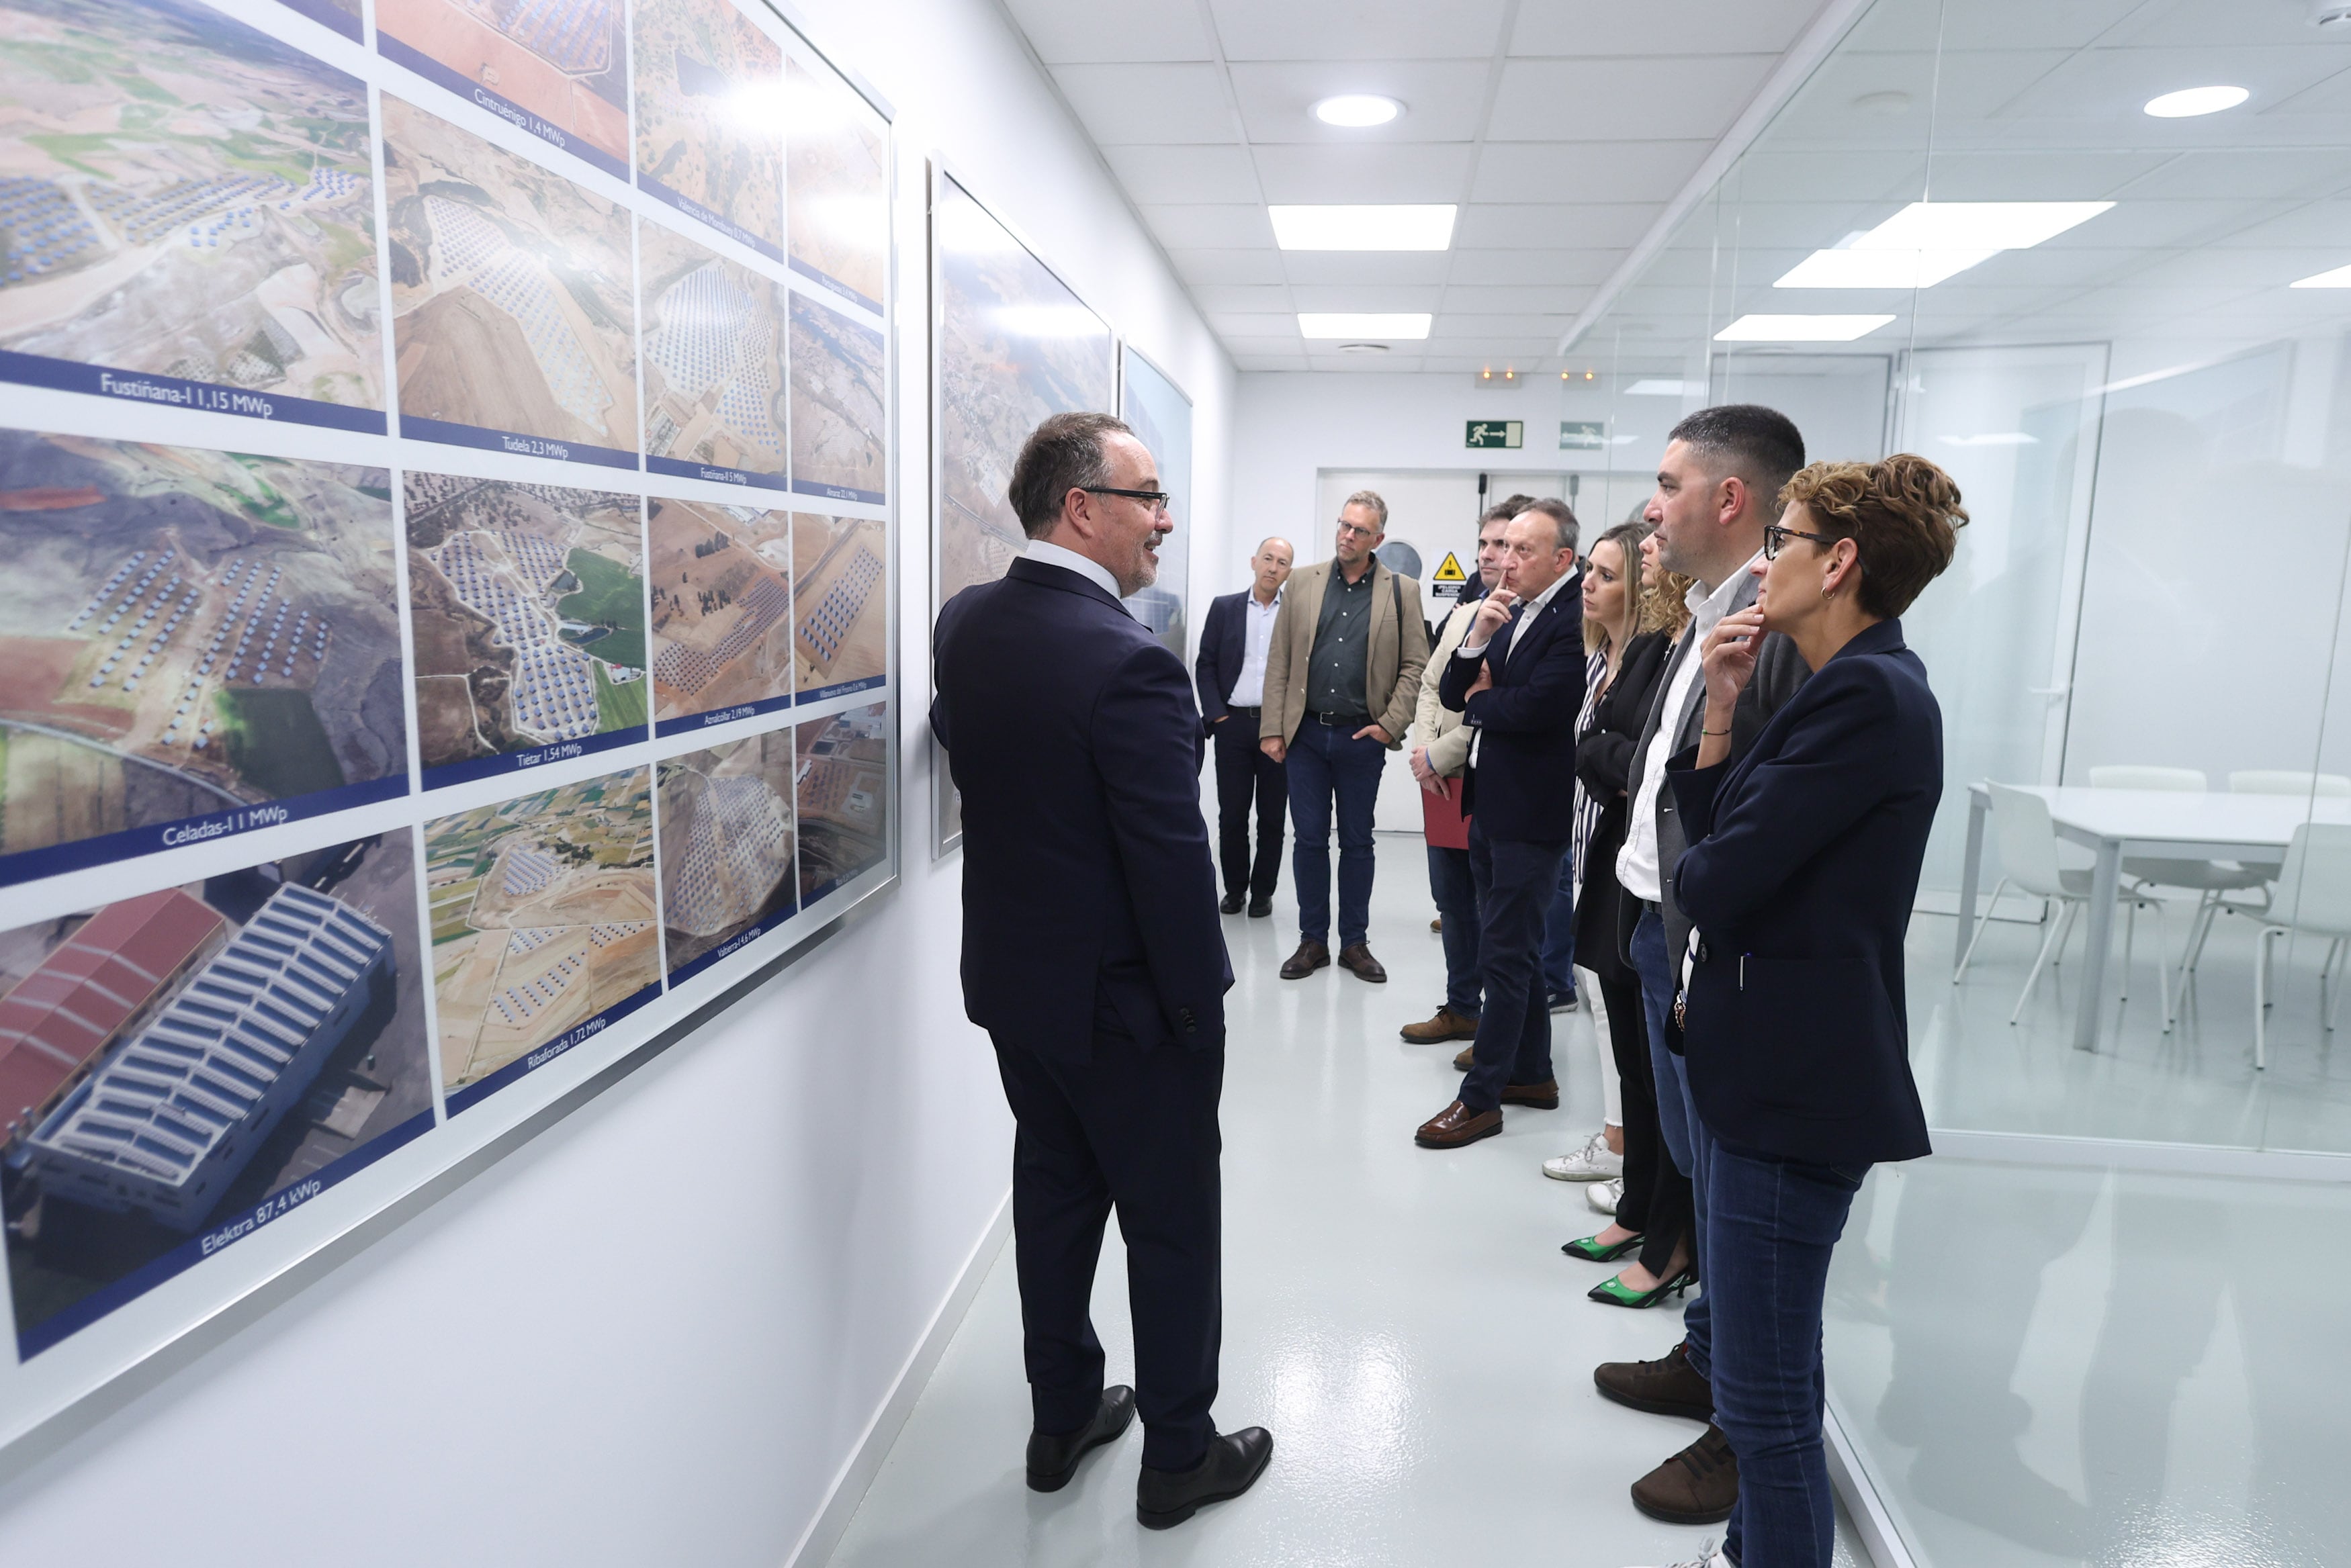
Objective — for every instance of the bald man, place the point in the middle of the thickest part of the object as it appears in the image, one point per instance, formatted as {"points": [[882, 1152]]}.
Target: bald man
{"points": [[1231, 675]]}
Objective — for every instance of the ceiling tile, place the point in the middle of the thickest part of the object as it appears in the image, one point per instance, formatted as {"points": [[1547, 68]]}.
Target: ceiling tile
{"points": [[2274, 172], [1498, 226], [1233, 225], [1547, 265], [1233, 298], [1586, 171], [1406, 171], [1233, 266], [1165, 175], [1134, 105], [2071, 25], [1545, 299], [1493, 328], [1267, 325], [1580, 28], [1307, 269], [1589, 100], [1445, 100], [1072, 30], [1367, 296], [1349, 30], [2111, 85]]}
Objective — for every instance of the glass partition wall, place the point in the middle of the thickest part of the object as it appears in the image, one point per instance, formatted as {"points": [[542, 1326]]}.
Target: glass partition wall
{"points": [[2093, 1332]]}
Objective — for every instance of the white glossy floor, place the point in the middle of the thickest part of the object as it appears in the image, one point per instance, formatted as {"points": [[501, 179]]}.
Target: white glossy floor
{"points": [[1402, 1319]]}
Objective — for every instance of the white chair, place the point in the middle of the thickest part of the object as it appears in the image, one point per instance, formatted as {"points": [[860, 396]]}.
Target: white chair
{"points": [[2313, 894], [2207, 878], [2028, 857], [2285, 781]]}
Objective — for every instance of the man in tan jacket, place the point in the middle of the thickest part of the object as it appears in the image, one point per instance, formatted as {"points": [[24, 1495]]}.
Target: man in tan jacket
{"points": [[1342, 681]]}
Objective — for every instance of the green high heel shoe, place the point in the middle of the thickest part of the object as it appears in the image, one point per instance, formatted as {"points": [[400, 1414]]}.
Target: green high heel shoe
{"points": [[1608, 1292], [1589, 1249]]}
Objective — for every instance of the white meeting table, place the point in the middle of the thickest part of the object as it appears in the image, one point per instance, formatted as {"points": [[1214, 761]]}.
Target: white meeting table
{"points": [[2141, 824]]}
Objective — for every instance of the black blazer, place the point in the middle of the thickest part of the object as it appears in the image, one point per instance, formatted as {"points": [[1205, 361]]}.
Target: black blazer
{"points": [[1603, 765], [1522, 785], [1224, 649], [1087, 894], [1803, 863]]}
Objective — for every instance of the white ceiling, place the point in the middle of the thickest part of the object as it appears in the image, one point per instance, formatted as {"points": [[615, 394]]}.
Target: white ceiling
{"points": [[1562, 127]]}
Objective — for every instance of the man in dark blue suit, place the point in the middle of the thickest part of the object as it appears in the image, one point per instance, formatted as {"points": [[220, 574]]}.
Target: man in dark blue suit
{"points": [[1517, 680], [1092, 956], [1230, 672]]}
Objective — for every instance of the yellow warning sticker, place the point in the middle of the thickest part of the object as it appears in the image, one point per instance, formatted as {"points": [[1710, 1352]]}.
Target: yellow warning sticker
{"points": [[1450, 572]]}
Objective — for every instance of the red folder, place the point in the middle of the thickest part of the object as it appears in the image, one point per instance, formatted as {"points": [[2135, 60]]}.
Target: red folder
{"points": [[1441, 818]]}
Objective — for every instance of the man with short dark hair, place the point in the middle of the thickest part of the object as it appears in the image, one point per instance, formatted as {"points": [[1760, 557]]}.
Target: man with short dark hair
{"points": [[1341, 682], [1092, 956], [1230, 674]]}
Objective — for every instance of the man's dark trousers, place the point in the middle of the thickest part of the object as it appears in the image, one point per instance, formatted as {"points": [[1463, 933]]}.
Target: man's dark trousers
{"points": [[1687, 1143], [1516, 879], [1245, 773], [1135, 1129], [1453, 887], [1326, 760]]}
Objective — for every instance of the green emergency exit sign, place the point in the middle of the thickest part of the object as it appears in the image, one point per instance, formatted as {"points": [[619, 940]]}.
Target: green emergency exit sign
{"points": [[1485, 434], [1582, 435]]}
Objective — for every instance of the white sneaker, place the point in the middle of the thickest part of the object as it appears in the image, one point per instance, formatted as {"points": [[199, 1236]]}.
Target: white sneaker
{"points": [[1712, 1557], [1606, 1195], [1592, 1162]]}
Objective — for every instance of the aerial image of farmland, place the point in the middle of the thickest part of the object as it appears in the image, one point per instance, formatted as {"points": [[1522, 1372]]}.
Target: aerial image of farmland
{"points": [[726, 842], [543, 912], [184, 631], [707, 131], [839, 387], [722, 593], [529, 614], [563, 61], [836, 183], [842, 612], [713, 357], [843, 797], [182, 194]]}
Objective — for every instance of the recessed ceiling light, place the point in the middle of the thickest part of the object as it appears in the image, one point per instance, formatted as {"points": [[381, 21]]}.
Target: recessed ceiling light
{"points": [[1393, 324], [1754, 328], [1364, 228], [1362, 348], [1354, 110], [1928, 241], [2189, 102], [2339, 278], [1879, 269], [1885, 105]]}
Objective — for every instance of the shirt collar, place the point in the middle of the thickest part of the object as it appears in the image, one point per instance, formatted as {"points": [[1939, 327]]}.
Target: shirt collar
{"points": [[1046, 555], [1543, 601], [1707, 609], [1250, 594]]}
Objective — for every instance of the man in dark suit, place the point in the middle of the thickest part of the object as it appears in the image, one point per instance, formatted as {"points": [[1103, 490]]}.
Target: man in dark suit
{"points": [[1518, 681], [1230, 673], [1093, 957]]}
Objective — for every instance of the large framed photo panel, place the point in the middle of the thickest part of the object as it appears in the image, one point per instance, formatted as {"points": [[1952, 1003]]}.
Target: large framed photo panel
{"points": [[1011, 344], [448, 564], [1161, 417]]}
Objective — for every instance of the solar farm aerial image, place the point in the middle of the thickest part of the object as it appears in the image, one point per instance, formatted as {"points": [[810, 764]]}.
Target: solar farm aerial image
{"points": [[713, 357], [563, 61], [722, 595], [726, 842], [839, 389], [513, 307], [184, 631], [182, 194], [836, 183], [528, 605], [842, 799], [841, 609], [705, 79], [543, 913]]}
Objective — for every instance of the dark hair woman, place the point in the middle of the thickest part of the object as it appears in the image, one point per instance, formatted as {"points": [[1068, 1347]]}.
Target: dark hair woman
{"points": [[1804, 858]]}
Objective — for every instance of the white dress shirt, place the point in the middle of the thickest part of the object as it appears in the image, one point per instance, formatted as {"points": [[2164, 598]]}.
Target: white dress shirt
{"points": [[1248, 691], [1636, 864], [1534, 608], [1070, 561]]}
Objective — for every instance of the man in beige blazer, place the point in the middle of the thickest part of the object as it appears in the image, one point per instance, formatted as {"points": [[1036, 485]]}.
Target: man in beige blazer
{"points": [[1342, 681]]}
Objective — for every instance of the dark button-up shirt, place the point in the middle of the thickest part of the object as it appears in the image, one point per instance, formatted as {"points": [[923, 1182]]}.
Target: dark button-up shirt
{"points": [[1335, 677]]}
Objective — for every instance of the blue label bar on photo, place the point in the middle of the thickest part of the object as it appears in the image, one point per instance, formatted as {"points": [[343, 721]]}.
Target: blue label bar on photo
{"points": [[843, 689], [702, 214], [81, 853], [839, 493], [473, 768], [177, 392], [228, 1230], [688, 722], [532, 1061], [415, 427], [506, 109], [815, 275], [732, 945], [714, 472], [327, 14]]}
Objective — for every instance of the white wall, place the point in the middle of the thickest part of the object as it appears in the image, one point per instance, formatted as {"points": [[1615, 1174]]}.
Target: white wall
{"points": [[655, 1335]]}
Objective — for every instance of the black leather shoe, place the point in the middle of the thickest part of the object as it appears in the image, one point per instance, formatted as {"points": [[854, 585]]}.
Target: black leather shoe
{"points": [[1260, 908], [1231, 905], [1052, 1460], [1163, 1498]]}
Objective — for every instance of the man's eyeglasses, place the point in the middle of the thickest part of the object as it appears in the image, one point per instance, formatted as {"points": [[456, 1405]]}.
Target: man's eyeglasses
{"points": [[1357, 528], [1775, 535], [1155, 499]]}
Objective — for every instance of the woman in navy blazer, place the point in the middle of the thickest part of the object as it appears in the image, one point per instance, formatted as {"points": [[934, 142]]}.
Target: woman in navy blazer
{"points": [[1802, 864]]}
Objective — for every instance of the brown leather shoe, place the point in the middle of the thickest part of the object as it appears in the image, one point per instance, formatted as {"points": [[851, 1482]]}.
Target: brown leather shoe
{"points": [[1437, 924], [1696, 1486], [1456, 1125], [1310, 957], [1542, 1097], [1669, 1385], [1357, 957], [1464, 1058], [1447, 1025]]}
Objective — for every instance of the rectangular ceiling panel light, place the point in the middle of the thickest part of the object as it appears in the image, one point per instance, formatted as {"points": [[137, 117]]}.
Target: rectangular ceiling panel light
{"points": [[1752, 328], [1380, 228], [1976, 225], [1879, 269], [1655, 387], [2339, 278], [1367, 324]]}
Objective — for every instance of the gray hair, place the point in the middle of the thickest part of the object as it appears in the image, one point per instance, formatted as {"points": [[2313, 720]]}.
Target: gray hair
{"points": [[1062, 454], [1370, 498], [1562, 516]]}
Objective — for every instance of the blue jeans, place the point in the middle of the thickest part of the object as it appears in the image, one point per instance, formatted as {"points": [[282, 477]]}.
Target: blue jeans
{"points": [[1687, 1140], [1515, 878], [1772, 1225], [1451, 885], [1559, 931], [1326, 760]]}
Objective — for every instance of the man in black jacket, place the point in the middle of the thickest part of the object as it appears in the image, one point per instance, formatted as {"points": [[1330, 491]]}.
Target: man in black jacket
{"points": [[1093, 957], [1518, 681], [1231, 675]]}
